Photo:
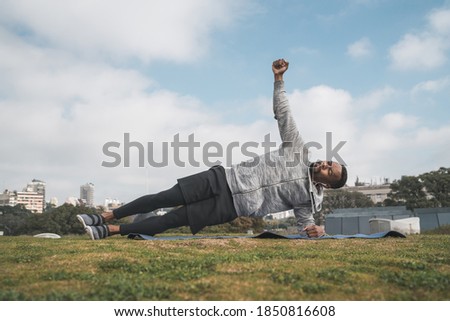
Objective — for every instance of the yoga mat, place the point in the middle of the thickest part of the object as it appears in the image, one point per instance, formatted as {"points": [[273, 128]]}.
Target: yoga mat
{"points": [[267, 235]]}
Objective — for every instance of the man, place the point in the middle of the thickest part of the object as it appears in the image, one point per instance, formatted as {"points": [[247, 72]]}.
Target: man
{"points": [[277, 181]]}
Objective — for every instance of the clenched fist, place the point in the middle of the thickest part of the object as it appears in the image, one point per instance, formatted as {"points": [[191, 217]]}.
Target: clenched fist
{"points": [[279, 67]]}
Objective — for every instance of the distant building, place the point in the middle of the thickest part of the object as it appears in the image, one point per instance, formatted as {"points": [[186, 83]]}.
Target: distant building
{"points": [[35, 203], [87, 194], [112, 203], [36, 186], [32, 197], [32, 201], [54, 202], [8, 198], [72, 200], [280, 215], [377, 193]]}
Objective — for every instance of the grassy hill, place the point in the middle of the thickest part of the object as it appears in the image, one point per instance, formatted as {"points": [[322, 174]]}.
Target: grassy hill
{"points": [[75, 268]]}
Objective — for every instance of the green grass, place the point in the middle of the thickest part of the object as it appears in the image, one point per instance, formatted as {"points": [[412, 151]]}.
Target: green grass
{"points": [[75, 268]]}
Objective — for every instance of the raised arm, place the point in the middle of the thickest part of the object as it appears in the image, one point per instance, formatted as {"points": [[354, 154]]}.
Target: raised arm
{"points": [[286, 124]]}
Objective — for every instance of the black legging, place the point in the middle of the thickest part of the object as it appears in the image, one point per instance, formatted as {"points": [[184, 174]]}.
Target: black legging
{"points": [[155, 224]]}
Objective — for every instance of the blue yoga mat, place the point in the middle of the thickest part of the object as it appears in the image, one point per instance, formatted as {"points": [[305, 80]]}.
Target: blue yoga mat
{"points": [[267, 235]]}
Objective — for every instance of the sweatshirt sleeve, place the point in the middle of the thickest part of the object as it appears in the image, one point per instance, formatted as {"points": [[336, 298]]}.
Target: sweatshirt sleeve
{"points": [[304, 217], [286, 123]]}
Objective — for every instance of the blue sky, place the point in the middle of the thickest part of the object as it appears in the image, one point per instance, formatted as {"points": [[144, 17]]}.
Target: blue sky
{"points": [[75, 75]]}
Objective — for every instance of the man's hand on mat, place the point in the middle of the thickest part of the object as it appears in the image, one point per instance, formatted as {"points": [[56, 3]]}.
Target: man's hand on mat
{"points": [[314, 231]]}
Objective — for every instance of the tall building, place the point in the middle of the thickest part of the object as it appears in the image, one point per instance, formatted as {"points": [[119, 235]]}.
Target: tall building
{"points": [[87, 194], [36, 186], [33, 196]]}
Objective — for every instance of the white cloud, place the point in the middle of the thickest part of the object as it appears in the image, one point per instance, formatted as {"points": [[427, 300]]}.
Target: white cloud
{"points": [[395, 121], [431, 86], [423, 50], [374, 99], [323, 109], [360, 49], [440, 21], [176, 30], [418, 52], [396, 144], [429, 137], [58, 108]]}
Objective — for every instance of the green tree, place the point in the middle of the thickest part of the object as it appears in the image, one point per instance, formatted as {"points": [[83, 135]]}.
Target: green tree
{"points": [[409, 191], [13, 219], [437, 184], [60, 220]]}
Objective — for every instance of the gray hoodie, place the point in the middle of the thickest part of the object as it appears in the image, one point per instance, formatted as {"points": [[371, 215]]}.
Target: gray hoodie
{"points": [[280, 180]]}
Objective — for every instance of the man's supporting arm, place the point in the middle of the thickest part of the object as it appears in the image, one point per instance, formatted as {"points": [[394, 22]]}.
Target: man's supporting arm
{"points": [[305, 222]]}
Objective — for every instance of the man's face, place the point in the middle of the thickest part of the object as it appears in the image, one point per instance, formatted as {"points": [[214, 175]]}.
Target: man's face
{"points": [[326, 172]]}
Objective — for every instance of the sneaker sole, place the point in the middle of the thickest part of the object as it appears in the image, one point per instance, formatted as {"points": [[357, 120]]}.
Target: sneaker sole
{"points": [[89, 231], [82, 221]]}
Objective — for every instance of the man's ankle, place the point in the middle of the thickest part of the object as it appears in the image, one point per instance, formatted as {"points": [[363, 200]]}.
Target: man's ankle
{"points": [[107, 216], [113, 229]]}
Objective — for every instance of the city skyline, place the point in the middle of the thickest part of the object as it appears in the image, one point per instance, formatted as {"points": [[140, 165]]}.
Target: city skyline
{"points": [[86, 195], [374, 73]]}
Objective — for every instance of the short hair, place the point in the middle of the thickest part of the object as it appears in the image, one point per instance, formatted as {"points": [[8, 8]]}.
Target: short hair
{"points": [[341, 182]]}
